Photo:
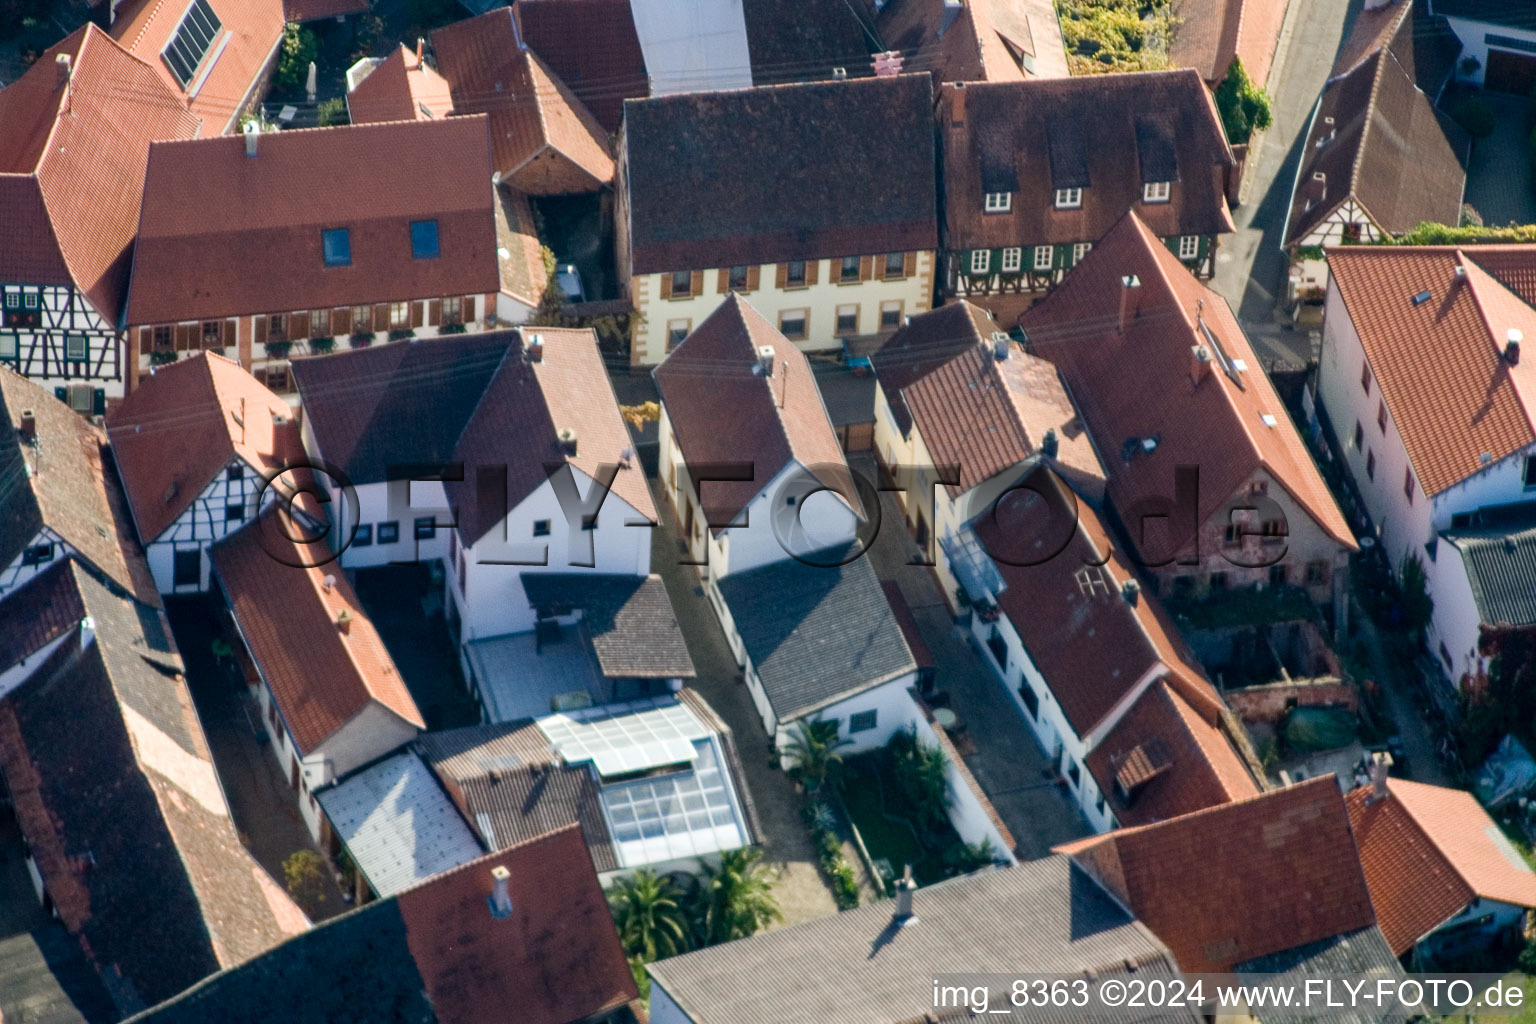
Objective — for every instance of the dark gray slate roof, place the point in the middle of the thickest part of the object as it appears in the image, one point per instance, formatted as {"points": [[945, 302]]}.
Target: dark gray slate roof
{"points": [[45, 979], [848, 395], [1364, 952], [629, 619], [1514, 13], [1501, 568], [816, 635], [855, 966]]}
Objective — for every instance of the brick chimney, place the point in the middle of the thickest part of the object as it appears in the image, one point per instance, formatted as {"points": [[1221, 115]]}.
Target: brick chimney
{"points": [[1512, 339], [28, 428], [421, 46], [1130, 291], [957, 104], [1199, 363]]}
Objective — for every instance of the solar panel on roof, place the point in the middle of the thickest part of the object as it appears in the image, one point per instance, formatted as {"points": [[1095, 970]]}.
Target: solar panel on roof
{"points": [[620, 739], [191, 41]]}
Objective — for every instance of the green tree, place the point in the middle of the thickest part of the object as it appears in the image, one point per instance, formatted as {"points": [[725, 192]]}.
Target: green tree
{"points": [[304, 878], [735, 898], [964, 858], [648, 912], [1418, 606], [297, 50], [332, 111], [1243, 106], [814, 757], [922, 771]]}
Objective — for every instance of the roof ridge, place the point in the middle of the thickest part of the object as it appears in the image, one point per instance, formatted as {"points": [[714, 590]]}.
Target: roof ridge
{"points": [[1370, 117], [1477, 279], [1424, 830]]}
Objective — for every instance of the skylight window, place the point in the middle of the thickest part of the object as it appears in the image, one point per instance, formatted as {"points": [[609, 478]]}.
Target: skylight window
{"points": [[1421, 298], [336, 247], [424, 239], [191, 41]]}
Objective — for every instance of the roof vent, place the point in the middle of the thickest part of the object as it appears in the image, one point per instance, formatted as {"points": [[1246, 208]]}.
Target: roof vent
{"points": [[278, 419], [328, 584], [1485, 458], [839, 73], [536, 349], [344, 621], [28, 428], [501, 898], [1130, 286], [765, 355], [1458, 274], [252, 133], [567, 437], [1512, 339], [1131, 591], [1268, 420], [1000, 345], [1050, 444]]}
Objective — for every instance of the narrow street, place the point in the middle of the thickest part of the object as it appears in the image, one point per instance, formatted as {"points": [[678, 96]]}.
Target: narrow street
{"points": [[1250, 266]]}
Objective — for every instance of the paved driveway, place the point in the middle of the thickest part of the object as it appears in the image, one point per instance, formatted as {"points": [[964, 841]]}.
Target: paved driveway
{"points": [[1499, 178]]}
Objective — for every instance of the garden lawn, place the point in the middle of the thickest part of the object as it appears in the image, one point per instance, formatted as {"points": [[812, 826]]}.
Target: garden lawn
{"points": [[886, 839]]}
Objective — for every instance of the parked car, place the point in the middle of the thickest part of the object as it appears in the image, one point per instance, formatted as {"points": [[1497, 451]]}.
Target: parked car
{"points": [[568, 278]]}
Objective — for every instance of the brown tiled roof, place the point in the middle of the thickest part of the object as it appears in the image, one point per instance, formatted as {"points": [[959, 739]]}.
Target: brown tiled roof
{"points": [[975, 411], [1030, 138], [321, 677], [208, 206], [148, 846], [1470, 840], [517, 423], [315, 10], [534, 117], [400, 88], [722, 410], [1137, 385], [229, 75], [1092, 645], [1387, 146], [1438, 366], [593, 47], [70, 183], [1241, 880], [987, 42], [64, 483], [1211, 32], [758, 160], [1169, 758], [803, 40], [523, 275], [1413, 887], [53, 608], [1423, 44], [181, 426]]}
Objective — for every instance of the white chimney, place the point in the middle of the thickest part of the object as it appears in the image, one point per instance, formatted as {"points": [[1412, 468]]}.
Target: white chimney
{"points": [[1000, 345], [1379, 790], [501, 897], [1130, 286], [536, 349], [1199, 362], [252, 132], [63, 62], [765, 359], [568, 440], [1512, 339], [328, 584], [87, 632], [906, 885], [1458, 275]]}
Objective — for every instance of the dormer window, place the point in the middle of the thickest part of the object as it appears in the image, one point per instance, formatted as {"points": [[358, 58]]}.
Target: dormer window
{"points": [[1069, 198], [1156, 191], [998, 202]]}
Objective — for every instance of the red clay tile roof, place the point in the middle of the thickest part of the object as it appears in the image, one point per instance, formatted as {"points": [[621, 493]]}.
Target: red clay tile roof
{"points": [[71, 184], [556, 958], [722, 410], [1240, 880], [1169, 758], [1137, 385], [1211, 32], [975, 411], [1030, 138], [593, 47], [1438, 366], [517, 423], [523, 275], [226, 80], [1413, 887], [985, 43], [1092, 646], [533, 115], [400, 88], [314, 10], [208, 206], [66, 484], [321, 677], [181, 426], [1470, 840]]}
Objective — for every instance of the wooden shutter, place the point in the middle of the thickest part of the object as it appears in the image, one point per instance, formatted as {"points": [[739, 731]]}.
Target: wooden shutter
{"points": [[298, 325], [696, 283], [866, 267], [752, 275], [782, 280], [812, 267], [723, 279], [418, 313], [666, 285], [184, 336], [908, 264], [261, 329], [381, 316], [146, 341], [880, 267], [434, 312], [231, 333], [467, 308], [341, 320]]}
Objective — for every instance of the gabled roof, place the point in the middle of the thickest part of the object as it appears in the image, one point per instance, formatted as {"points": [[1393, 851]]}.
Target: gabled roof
{"points": [[858, 965], [63, 482], [149, 843], [1242, 880], [434, 953], [531, 111], [1437, 364], [517, 424], [182, 425], [1212, 32], [1364, 954], [757, 159], [208, 206], [629, 620], [1090, 644], [988, 41], [1031, 138], [519, 252], [592, 46], [235, 62], [1137, 385], [401, 87], [976, 411], [816, 633], [396, 405], [72, 165], [723, 409], [1163, 759], [1500, 563], [1469, 840], [1378, 138], [321, 676]]}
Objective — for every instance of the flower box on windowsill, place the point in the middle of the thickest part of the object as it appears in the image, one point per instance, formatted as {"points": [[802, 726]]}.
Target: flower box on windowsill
{"points": [[454, 328], [362, 339], [401, 333], [321, 346], [278, 349]]}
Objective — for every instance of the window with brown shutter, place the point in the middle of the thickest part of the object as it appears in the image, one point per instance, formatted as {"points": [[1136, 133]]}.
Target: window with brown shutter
{"points": [[723, 280], [781, 279], [183, 337], [341, 320], [434, 312], [381, 316], [696, 283], [146, 341], [908, 264], [467, 312], [866, 267], [666, 286], [231, 332], [261, 329], [811, 269], [418, 313], [752, 277], [298, 326]]}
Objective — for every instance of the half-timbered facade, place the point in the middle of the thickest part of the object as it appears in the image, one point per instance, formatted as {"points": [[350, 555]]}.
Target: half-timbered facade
{"points": [[70, 209], [407, 249], [201, 447], [1030, 185]]}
